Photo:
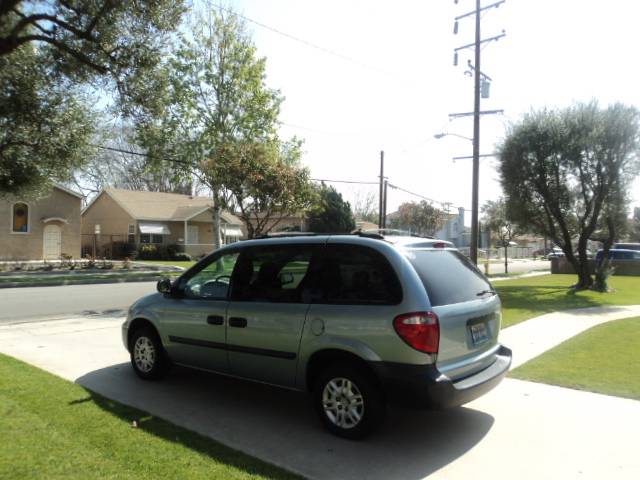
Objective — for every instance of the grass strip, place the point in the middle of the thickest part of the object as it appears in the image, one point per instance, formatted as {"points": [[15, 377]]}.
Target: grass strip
{"points": [[51, 428], [525, 298], [604, 359]]}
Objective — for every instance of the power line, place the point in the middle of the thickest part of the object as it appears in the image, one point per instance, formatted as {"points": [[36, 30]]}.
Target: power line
{"points": [[343, 181], [303, 41], [395, 187]]}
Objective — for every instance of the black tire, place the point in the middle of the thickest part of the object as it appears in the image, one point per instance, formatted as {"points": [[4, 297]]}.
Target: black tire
{"points": [[154, 363], [373, 403]]}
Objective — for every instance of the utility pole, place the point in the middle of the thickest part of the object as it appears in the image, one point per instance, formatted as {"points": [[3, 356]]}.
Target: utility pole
{"points": [[381, 203], [478, 76], [384, 205], [473, 251]]}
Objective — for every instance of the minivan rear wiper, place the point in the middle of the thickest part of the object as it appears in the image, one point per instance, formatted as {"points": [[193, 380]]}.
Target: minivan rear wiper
{"points": [[484, 292]]}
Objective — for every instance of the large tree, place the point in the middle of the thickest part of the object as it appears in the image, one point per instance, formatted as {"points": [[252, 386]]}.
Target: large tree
{"points": [[562, 170], [264, 180], [50, 51], [330, 213], [421, 218], [211, 97], [503, 230], [215, 116], [45, 127], [91, 38]]}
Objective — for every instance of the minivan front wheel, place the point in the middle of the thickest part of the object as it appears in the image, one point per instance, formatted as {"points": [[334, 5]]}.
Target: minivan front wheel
{"points": [[348, 401], [148, 358]]}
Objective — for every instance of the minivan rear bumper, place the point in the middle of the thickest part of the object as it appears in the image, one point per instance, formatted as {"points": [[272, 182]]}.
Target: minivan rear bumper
{"points": [[425, 386]]}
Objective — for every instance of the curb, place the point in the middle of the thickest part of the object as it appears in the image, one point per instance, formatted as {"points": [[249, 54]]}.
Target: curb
{"points": [[58, 283]]}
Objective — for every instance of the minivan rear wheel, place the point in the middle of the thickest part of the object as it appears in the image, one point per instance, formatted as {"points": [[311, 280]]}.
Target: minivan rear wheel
{"points": [[348, 401], [148, 358]]}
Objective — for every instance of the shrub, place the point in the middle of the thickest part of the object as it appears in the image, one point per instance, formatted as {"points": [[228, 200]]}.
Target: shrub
{"points": [[123, 250], [151, 252], [181, 257]]}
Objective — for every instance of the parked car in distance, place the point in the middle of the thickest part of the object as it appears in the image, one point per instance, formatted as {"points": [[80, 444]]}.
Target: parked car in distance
{"points": [[555, 252], [626, 246], [619, 254], [355, 320]]}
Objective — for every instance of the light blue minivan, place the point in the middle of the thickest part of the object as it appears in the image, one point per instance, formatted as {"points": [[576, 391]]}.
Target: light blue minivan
{"points": [[357, 320]]}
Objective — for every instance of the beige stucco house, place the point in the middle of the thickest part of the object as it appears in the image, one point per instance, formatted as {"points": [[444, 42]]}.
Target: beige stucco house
{"points": [[41, 228], [139, 217]]}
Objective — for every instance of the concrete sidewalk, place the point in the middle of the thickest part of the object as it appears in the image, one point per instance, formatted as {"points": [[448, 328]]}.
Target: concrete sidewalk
{"points": [[537, 335], [519, 430]]}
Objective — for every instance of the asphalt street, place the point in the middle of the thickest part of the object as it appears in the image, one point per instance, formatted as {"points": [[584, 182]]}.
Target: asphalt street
{"points": [[38, 303]]}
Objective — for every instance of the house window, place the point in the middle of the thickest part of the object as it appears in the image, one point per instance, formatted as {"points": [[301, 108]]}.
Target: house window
{"points": [[150, 238], [20, 218], [131, 238]]}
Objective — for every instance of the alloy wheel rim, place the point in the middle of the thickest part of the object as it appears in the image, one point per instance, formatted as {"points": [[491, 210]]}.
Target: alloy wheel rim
{"points": [[144, 354], [343, 403]]}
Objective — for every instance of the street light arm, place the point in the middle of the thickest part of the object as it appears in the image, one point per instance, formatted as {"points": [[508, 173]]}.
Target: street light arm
{"points": [[445, 134]]}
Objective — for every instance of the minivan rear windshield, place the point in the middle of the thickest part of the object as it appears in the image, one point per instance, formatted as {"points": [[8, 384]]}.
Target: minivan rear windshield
{"points": [[448, 276]]}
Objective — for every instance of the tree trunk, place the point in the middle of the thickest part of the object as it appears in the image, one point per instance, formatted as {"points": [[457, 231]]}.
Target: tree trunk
{"points": [[506, 263], [603, 268], [585, 280], [217, 240]]}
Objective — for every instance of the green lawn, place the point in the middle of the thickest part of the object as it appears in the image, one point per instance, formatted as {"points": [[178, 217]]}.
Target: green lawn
{"points": [[54, 429], [524, 298], [604, 359]]}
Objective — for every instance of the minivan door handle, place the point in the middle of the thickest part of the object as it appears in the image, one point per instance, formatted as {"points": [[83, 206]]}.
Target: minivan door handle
{"points": [[215, 320], [238, 322]]}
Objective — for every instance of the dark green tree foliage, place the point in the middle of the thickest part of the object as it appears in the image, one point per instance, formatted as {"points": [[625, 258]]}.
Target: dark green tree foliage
{"points": [[45, 131], [51, 50], [564, 171], [91, 38], [330, 213]]}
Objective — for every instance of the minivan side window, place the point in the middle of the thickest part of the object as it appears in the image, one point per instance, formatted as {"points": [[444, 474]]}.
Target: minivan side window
{"points": [[271, 274], [355, 275], [212, 281]]}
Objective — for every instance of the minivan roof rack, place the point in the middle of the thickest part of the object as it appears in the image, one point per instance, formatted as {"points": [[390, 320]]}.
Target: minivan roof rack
{"points": [[359, 233], [395, 232]]}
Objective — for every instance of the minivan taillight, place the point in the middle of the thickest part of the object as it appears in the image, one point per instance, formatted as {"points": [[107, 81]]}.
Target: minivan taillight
{"points": [[419, 330]]}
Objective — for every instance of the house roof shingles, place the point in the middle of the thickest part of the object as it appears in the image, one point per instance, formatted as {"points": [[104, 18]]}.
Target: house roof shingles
{"points": [[162, 206]]}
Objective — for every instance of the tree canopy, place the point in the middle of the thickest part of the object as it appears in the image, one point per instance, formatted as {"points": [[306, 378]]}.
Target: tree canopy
{"points": [[562, 171], [330, 213], [45, 127], [265, 182], [422, 218], [50, 53], [215, 117], [90, 37]]}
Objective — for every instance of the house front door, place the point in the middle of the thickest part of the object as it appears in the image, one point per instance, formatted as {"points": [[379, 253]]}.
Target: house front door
{"points": [[51, 242], [192, 234]]}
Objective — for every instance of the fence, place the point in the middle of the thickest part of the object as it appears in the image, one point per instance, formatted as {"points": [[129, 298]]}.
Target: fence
{"points": [[113, 247]]}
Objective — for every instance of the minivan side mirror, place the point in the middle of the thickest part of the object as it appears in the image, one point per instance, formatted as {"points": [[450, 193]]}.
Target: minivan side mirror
{"points": [[164, 286]]}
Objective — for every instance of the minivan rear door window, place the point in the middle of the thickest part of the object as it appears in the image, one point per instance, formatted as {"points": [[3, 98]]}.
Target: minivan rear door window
{"points": [[448, 276]]}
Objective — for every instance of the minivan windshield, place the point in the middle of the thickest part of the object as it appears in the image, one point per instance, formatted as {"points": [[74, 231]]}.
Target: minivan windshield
{"points": [[448, 276]]}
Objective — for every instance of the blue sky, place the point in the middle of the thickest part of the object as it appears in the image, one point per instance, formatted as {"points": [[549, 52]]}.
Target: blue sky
{"points": [[397, 85]]}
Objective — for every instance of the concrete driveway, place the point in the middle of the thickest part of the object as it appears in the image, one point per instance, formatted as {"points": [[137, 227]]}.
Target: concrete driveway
{"points": [[520, 430]]}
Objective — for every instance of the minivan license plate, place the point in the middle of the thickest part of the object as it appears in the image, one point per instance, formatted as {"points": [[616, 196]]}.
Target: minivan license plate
{"points": [[479, 333]]}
